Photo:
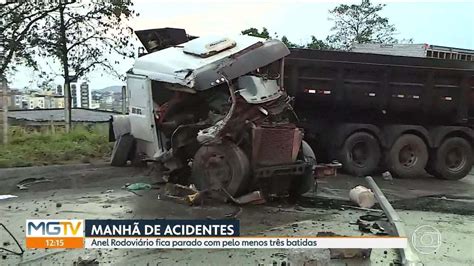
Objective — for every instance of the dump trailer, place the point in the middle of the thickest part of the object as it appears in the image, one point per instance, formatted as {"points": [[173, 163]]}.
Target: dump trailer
{"points": [[415, 50], [377, 112]]}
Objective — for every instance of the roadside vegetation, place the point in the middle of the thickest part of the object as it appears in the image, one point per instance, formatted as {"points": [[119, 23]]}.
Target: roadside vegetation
{"points": [[82, 144]]}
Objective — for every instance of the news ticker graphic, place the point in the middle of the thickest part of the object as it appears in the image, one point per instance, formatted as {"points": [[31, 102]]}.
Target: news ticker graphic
{"points": [[256, 242], [174, 234], [72, 233], [54, 233]]}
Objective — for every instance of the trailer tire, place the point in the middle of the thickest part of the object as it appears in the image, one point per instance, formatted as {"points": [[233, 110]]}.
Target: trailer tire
{"points": [[407, 157], [305, 182], [360, 154], [220, 166], [453, 159]]}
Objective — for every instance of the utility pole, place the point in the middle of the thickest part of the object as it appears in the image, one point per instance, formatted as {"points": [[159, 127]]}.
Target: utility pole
{"points": [[67, 83], [124, 99], [4, 110], [3, 86]]}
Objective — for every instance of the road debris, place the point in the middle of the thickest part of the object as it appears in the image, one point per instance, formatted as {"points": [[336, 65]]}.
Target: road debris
{"points": [[346, 253], [255, 197], [372, 227], [307, 257], [86, 261], [16, 241], [138, 186], [362, 196], [387, 175], [178, 190], [350, 253], [190, 195], [26, 183], [184, 194], [299, 208], [409, 257], [235, 214], [360, 208], [364, 227], [328, 169], [372, 217], [2, 197], [194, 198]]}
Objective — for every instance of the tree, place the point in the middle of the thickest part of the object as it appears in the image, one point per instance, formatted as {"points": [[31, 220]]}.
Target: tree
{"points": [[266, 35], [254, 32], [19, 22], [314, 44], [318, 44], [359, 24], [82, 35], [289, 44]]}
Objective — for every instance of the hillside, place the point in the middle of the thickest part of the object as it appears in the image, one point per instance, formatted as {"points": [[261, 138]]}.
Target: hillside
{"points": [[110, 89]]}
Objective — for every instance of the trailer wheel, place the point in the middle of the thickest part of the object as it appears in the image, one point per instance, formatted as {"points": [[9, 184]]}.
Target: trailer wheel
{"points": [[360, 154], [221, 166], [453, 159], [408, 156], [306, 182]]}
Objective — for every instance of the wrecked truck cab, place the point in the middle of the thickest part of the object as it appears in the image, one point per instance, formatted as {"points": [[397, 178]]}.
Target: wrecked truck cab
{"points": [[213, 112]]}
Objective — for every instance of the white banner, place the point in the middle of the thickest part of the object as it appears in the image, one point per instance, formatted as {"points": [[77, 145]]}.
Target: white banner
{"points": [[245, 242]]}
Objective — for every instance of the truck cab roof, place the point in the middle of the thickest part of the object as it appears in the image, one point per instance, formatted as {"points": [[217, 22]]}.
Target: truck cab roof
{"points": [[203, 62]]}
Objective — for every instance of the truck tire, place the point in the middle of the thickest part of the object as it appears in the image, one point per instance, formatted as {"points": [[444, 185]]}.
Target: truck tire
{"points": [[121, 151], [407, 157], [360, 154], [306, 182], [220, 166], [453, 159]]}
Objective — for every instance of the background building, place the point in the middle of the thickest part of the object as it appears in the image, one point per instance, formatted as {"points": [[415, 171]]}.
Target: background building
{"points": [[85, 99], [59, 90], [74, 95], [109, 98], [416, 50]]}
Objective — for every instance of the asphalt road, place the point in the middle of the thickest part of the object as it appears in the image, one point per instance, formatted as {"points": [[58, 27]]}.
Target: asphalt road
{"points": [[95, 191], [425, 193]]}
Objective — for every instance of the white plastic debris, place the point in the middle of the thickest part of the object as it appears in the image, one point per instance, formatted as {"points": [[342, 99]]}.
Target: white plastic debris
{"points": [[387, 175], [362, 196], [2, 197]]}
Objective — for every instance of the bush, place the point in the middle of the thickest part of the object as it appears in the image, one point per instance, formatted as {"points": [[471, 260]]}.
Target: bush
{"points": [[39, 148]]}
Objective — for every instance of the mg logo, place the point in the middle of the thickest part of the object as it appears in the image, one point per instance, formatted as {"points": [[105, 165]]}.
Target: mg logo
{"points": [[55, 228]]}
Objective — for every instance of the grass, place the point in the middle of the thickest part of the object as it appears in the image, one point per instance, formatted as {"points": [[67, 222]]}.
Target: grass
{"points": [[44, 148]]}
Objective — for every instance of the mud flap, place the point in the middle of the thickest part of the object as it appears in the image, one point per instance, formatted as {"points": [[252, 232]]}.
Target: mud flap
{"points": [[121, 151]]}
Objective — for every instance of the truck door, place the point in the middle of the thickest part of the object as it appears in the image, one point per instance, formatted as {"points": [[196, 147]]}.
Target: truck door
{"points": [[142, 122]]}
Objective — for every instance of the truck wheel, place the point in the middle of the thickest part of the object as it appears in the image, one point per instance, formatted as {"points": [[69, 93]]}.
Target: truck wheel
{"points": [[360, 154], [306, 182], [453, 159], [408, 156], [221, 166]]}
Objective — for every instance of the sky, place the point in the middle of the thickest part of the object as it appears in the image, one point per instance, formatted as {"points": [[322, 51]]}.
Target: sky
{"points": [[446, 23]]}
